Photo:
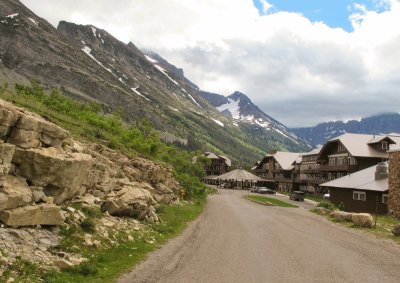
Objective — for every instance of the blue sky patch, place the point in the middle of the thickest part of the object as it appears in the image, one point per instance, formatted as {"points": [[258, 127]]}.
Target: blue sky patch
{"points": [[334, 13]]}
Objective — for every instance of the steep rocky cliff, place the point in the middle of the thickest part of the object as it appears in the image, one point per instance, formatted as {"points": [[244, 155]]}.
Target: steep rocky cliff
{"points": [[43, 170]]}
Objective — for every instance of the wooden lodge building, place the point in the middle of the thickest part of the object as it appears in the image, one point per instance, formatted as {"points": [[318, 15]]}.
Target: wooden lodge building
{"points": [[338, 157], [219, 164], [278, 167]]}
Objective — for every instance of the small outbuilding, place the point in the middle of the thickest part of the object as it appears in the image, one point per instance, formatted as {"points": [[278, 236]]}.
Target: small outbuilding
{"points": [[362, 191]]}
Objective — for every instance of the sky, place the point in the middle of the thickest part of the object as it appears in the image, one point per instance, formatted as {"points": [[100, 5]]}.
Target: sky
{"points": [[302, 62]]}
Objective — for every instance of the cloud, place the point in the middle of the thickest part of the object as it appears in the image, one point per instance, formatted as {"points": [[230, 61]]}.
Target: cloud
{"points": [[298, 71]]}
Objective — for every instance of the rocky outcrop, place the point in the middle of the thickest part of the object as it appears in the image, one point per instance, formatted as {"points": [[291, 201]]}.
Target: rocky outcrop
{"points": [[43, 214], [15, 193], [62, 174], [40, 165]]}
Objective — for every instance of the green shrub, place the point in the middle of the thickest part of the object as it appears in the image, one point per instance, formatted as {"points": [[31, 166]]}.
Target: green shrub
{"points": [[92, 212], [85, 269], [88, 225], [326, 204]]}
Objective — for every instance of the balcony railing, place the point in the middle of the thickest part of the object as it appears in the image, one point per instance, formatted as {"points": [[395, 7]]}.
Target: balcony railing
{"points": [[332, 168]]}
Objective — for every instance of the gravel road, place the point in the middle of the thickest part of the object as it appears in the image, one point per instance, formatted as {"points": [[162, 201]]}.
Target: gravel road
{"points": [[236, 240]]}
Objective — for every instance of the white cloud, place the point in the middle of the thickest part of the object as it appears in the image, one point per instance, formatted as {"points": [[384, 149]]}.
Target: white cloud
{"points": [[298, 71]]}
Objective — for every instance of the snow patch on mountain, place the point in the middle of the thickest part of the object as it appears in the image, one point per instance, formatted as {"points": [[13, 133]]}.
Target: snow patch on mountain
{"points": [[233, 107], [134, 89], [33, 21], [12, 16], [88, 51], [218, 122]]}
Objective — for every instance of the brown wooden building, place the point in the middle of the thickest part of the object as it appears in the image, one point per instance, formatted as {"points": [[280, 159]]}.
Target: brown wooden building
{"points": [[219, 164], [362, 191], [306, 172], [338, 157], [350, 153], [278, 167]]}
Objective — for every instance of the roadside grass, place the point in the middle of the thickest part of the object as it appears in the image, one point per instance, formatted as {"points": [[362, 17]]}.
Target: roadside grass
{"points": [[108, 263], [384, 223], [269, 201], [314, 198]]}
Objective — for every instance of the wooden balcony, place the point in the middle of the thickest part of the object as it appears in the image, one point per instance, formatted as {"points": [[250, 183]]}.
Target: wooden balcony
{"points": [[310, 171], [338, 168]]}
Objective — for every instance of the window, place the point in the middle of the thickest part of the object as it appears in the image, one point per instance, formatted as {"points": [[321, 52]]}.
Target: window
{"points": [[384, 198], [385, 145], [359, 196], [341, 148]]}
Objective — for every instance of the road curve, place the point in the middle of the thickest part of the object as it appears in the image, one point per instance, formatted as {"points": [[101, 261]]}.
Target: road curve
{"points": [[236, 240]]}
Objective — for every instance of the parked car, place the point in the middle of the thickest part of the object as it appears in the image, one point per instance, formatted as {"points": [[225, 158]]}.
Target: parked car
{"points": [[263, 190], [271, 192], [326, 196], [297, 196], [254, 189]]}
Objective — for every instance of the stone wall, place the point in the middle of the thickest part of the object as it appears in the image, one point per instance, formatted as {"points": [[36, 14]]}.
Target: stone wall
{"points": [[394, 184]]}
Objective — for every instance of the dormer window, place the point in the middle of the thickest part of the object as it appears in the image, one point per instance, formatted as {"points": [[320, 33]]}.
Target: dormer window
{"points": [[341, 148], [385, 145]]}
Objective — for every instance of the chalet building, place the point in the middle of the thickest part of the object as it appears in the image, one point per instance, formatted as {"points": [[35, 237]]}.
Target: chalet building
{"points": [[219, 164], [338, 157], [362, 191], [278, 167], [307, 175], [350, 153]]}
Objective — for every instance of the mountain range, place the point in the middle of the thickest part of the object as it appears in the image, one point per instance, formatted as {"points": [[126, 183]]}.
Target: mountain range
{"points": [[379, 124], [89, 64]]}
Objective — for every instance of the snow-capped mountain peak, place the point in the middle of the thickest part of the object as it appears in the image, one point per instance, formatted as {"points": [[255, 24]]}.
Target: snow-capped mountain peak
{"points": [[239, 107]]}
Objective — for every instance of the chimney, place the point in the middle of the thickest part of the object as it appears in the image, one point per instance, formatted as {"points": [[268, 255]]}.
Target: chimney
{"points": [[381, 171]]}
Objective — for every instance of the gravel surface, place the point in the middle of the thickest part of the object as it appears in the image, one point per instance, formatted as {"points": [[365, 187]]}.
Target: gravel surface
{"points": [[236, 240]]}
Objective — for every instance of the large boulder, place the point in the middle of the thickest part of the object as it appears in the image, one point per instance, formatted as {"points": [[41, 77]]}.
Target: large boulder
{"points": [[129, 201], [362, 220], [341, 216], [28, 130], [15, 193], [61, 174], [396, 230], [43, 214]]}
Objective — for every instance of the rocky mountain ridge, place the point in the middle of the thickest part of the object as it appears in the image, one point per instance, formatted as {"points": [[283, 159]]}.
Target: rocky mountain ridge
{"points": [[89, 64], [380, 124]]}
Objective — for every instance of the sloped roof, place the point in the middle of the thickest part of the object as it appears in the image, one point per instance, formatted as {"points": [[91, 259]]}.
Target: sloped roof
{"points": [[227, 160], [286, 159], [396, 138], [212, 155], [361, 180], [357, 145], [239, 175]]}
